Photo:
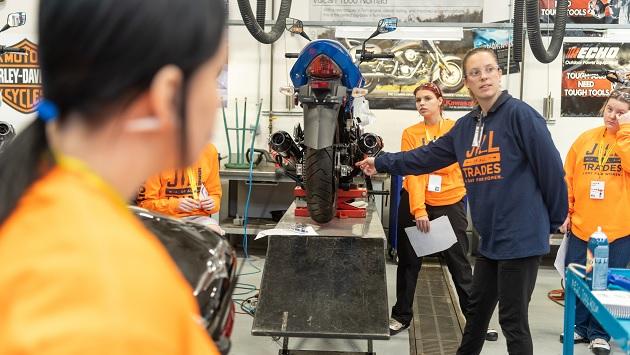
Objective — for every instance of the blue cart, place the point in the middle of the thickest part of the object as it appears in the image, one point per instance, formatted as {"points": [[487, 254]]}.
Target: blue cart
{"points": [[619, 329]]}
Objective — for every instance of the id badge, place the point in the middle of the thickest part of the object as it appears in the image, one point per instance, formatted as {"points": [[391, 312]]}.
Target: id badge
{"points": [[597, 190], [203, 193], [435, 183]]}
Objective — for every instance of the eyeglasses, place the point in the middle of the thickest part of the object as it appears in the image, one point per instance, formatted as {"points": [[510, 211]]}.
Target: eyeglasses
{"points": [[475, 73]]}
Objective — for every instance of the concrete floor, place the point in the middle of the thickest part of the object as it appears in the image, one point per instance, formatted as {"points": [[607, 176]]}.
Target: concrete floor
{"points": [[546, 319]]}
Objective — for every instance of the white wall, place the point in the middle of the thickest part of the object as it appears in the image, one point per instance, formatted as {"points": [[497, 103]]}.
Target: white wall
{"points": [[12, 36], [249, 76], [540, 79]]}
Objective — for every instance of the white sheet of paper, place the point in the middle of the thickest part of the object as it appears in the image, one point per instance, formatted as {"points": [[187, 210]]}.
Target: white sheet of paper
{"points": [[440, 237], [297, 230], [561, 256]]}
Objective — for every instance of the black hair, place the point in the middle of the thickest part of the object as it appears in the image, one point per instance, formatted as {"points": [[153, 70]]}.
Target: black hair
{"points": [[473, 51], [96, 57]]}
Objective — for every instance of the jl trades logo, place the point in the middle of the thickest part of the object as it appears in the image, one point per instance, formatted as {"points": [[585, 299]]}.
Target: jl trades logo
{"points": [[20, 78]]}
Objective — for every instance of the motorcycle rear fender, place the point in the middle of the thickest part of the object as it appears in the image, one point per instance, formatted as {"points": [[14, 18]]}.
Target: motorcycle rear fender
{"points": [[320, 118], [436, 67]]}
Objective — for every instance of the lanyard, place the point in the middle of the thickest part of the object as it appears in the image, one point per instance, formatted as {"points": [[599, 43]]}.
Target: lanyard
{"points": [[426, 132], [478, 134], [78, 167], [193, 183]]}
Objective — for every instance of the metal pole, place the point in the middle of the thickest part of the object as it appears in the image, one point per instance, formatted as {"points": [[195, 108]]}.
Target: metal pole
{"points": [[569, 313], [227, 135], [242, 158], [238, 139], [523, 66], [285, 346]]}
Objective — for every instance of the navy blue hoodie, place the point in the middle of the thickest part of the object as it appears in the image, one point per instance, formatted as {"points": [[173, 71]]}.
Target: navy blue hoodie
{"points": [[514, 179]]}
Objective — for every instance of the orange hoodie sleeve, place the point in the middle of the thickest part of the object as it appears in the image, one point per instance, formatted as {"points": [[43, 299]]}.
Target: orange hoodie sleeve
{"points": [[213, 182], [569, 167], [416, 185], [154, 201], [623, 146]]}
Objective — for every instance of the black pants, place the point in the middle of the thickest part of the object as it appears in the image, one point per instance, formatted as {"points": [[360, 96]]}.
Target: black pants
{"points": [[409, 264], [510, 283]]}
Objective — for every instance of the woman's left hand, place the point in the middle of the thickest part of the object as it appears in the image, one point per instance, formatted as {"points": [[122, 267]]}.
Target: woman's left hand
{"points": [[624, 119]]}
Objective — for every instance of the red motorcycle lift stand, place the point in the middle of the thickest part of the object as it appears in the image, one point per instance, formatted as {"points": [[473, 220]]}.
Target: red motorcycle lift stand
{"points": [[344, 208]]}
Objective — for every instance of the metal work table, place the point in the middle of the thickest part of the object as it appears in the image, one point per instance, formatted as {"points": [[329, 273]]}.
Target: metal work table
{"points": [[331, 285], [576, 288], [368, 227]]}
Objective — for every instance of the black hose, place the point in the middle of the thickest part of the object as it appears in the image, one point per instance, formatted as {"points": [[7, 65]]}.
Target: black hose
{"points": [[254, 28], [261, 12], [533, 30], [517, 35]]}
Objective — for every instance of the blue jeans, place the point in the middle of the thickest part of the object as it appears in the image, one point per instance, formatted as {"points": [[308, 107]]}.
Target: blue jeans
{"points": [[618, 257]]}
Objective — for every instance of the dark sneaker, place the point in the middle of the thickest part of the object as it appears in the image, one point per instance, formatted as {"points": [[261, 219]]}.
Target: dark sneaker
{"points": [[577, 338], [396, 327], [600, 346], [492, 335]]}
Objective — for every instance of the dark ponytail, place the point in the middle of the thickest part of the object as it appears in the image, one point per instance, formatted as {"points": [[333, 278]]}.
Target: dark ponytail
{"points": [[96, 57]]}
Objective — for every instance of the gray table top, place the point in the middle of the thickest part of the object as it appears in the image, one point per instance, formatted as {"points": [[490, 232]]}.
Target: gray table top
{"points": [[323, 287], [369, 227]]}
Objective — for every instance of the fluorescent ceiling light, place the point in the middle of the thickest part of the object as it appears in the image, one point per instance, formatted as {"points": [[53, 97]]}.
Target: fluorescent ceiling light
{"points": [[413, 33]]}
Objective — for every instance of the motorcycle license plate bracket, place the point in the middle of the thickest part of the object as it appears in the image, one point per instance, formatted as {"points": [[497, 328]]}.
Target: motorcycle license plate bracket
{"points": [[344, 199]]}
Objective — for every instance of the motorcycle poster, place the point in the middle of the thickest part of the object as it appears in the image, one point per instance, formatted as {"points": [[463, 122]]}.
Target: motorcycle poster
{"points": [[390, 82], [584, 84], [589, 11]]}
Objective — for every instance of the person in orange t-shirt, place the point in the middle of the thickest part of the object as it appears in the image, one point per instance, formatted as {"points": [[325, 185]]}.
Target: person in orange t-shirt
{"points": [[598, 179], [132, 93], [192, 193], [424, 198]]}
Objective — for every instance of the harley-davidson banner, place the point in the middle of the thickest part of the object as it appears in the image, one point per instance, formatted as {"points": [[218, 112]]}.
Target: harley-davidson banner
{"points": [[20, 78], [584, 84]]}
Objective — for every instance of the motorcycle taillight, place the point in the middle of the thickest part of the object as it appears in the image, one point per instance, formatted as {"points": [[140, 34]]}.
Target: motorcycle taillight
{"points": [[323, 67], [229, 324]]}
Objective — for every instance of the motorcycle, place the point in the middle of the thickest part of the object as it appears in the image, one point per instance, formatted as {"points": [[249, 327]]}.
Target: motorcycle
{"points": [[414, 61], [208, 263], [328, 85]]}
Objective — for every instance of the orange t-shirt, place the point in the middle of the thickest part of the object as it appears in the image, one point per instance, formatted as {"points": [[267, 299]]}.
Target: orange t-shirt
{"points": [[582, 169], [79, 274], [452, 189], [162, 192]]}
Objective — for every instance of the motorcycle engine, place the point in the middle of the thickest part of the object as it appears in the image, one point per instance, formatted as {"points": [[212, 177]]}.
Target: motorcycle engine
{"points": [[411, 55], [405, 69]]}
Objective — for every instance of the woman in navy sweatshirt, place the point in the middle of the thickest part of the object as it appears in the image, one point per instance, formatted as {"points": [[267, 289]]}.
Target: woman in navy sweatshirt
{"points": [[515, 182]]}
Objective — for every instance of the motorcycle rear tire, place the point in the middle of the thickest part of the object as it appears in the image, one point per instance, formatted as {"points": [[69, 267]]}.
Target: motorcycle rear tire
{"points": [[321, 184]]}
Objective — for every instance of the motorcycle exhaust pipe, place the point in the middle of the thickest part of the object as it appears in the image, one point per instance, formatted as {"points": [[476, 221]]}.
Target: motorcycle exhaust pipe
{"points": [[6, 130], [370, 144], [282, 143]]}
